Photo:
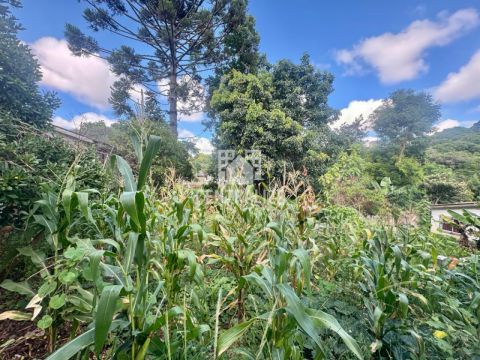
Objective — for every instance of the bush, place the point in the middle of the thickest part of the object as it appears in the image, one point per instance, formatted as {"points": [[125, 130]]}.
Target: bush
{"points": [[32, 161]]}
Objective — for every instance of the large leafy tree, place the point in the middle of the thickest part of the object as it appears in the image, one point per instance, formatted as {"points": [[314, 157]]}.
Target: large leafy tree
{"points": [[302, 91], [249, 118], [170, 43], [404, 117], [282, 111], [20, 96]]}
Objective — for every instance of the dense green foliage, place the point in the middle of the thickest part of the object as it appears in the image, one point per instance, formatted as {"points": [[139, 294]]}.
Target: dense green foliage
{"points": [[173, 154], [20, 96], [283, 112], [32, 161], [405, 117], [183, 273]]}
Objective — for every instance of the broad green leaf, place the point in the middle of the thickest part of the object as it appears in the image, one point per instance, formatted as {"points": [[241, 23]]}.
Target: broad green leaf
{"points": [[133, 203], [126, 171], [47, 288], [298, 311], [47, 224], [82, 341], [323, 319], [15, 315], [228, 337], [130, 253], [57, 301], [104, 315], [22, 288], [67, 277], [152, 149], [45, 322], [114, 272], [403, 301], [254, 278], [74, 253], [83, 204], [36, 257]]}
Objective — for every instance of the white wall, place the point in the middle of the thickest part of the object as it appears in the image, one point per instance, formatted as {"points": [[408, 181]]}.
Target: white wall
{"points": [[437, 214]]}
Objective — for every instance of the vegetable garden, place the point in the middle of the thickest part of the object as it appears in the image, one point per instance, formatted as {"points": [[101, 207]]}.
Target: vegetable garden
{"points": [[175, 273]]}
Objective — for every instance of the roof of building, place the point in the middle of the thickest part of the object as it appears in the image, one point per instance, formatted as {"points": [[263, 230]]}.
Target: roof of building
{"points": [[76, 136], [72, 134], [458, 205]]}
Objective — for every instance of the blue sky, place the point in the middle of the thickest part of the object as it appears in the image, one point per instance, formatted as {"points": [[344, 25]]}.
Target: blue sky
{"points": [[372, 47]]}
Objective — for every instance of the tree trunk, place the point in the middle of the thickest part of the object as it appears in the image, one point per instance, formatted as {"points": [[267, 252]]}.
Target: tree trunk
{"points": [[402, 149], [172, 101]]}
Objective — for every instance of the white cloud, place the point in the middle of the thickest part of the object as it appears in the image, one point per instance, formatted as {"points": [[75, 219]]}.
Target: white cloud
{"points": [[401, 56], [193, 117], [77, 120], [451, 123], [446, 124], [183, 133], [86, 78], [462, 85], [354, 109], [202, 144]]}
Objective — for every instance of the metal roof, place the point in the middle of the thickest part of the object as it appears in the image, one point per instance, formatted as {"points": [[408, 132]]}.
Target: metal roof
{"points": [[458, 205]]}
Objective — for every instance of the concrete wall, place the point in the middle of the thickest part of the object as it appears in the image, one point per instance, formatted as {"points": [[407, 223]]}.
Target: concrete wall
{"points": [[438, 213]]}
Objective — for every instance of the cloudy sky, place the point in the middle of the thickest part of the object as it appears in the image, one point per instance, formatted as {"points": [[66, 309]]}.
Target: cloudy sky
{"points": [[372, 47]]}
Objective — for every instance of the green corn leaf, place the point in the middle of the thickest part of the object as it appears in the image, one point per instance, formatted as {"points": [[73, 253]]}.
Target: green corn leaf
{"points": [[137, 147], [113, 272], [255, 279], [403, 302], [22, 288], [298, 311], [130, 253], [304, 258], [68, 200], [47, 224], [133, 203], [35, 256], [152, 149], [126, 171], [83, 204], [228, 337], [94, 263], [323, 319], [110, 242], [82, 341], [104, 315]]}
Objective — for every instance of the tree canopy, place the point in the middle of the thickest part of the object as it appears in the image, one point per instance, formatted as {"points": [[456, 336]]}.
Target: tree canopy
{"points": [[20, 96], [405, 116], [168, 45]]}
